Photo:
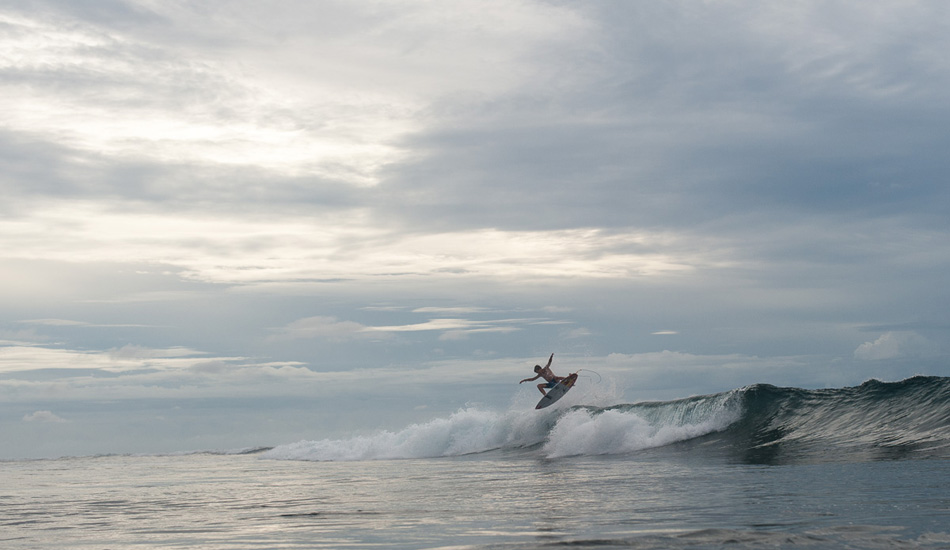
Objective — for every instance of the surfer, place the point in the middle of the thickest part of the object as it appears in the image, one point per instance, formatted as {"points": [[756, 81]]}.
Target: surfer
{"points": [[545, 373]]}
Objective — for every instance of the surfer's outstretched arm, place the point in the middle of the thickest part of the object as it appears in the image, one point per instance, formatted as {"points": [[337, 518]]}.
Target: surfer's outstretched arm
{"points": [[541, 372]]}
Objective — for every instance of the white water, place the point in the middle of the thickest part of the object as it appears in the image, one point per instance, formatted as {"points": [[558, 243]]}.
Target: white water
{"points": [[469, 430], [615, 432], [560, 431]]}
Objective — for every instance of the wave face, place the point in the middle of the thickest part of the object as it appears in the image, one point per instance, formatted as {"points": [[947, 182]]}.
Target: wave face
{"points": [[873, 421], [758, 424]]}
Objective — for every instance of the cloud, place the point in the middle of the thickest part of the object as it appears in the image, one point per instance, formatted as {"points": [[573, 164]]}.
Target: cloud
{"points": [[338, 247], [458, 329], [580, 332], [44, 416], [70, 323], [334, 330], [896, 345], [464, 334], [445, 310], [133, 352], [41, 375], [21, 359], [322, 327], [738, 128], [54, 322], [174, 85], [440, 324]]}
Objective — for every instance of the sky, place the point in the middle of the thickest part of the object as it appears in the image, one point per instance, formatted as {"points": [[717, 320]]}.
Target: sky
{"points": [[232, 224]]}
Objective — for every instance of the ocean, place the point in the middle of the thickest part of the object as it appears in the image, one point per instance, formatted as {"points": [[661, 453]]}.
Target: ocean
{"points": [[757, 467]]}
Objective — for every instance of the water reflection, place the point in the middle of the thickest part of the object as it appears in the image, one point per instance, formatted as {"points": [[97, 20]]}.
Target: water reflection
{"points": [[656, 499]]}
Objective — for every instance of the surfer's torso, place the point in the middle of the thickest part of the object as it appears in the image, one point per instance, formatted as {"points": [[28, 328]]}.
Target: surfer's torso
{"points": [[547, 374]]}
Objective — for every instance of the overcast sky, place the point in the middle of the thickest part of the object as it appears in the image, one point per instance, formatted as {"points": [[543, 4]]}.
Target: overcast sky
{"points": [[237, 223]]}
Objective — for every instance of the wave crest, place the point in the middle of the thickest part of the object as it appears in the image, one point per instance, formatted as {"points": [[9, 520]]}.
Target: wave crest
{"points": [[760, 423]]}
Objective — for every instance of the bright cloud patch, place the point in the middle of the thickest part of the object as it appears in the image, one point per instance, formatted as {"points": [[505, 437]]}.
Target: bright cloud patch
{"points": [[43, 416], [321, 327], [334, 330], [340, 247], [893, 345], [18, 359]]}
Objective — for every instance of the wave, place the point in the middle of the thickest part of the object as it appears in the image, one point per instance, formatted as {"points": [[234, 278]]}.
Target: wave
{"points": [[876, 420], [759, 423]]}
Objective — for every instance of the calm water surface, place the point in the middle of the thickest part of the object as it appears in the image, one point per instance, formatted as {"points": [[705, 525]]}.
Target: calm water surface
{"points": [[490, 500]]}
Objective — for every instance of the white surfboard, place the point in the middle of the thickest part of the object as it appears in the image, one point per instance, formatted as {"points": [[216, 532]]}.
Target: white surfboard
{"points": [[557, 391]]}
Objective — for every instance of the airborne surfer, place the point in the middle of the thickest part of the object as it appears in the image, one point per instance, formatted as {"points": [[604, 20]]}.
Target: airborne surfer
{"points": [[545, 373]]}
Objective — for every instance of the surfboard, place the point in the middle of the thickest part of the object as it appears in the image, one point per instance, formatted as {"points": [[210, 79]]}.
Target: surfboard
{"points": [[557, 391]]}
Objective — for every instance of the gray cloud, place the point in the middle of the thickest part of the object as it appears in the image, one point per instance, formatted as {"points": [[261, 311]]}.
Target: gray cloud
{"points": [[698, 114]]}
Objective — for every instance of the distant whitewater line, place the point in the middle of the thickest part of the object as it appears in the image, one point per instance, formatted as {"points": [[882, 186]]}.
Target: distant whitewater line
{"points": [[760, 423]]}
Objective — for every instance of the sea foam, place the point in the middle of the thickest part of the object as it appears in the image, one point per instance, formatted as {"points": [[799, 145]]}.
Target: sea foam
{"points": [[562, 431]]}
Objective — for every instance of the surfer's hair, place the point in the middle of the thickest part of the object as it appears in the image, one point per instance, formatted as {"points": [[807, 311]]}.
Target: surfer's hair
{"points": [[537, 368]]}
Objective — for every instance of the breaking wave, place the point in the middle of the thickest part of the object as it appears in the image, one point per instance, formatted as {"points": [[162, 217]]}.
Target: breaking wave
{"points": [[760, 424]]}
